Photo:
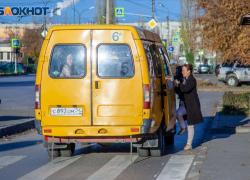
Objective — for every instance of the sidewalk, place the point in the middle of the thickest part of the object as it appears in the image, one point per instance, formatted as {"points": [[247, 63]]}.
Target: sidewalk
{"points": [[227, 156]]}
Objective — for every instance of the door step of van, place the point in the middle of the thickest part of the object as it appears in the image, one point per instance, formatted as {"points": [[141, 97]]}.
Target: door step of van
{"points": [[170, 132]]}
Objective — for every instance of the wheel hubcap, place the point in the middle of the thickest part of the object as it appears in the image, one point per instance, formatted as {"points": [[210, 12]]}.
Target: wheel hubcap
{"points": [[231, 81]]}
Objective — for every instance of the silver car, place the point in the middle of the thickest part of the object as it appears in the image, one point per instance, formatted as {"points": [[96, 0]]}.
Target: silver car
{"points": [[233, 74]]}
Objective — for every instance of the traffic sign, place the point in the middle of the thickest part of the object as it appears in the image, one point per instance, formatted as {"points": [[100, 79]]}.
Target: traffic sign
{"points": [[175, 40], [15, 43], [201, 52], [44, 33], [152, 23], [119, 12], [177, 33], [181, 40], [171, 48], [164, 43]]}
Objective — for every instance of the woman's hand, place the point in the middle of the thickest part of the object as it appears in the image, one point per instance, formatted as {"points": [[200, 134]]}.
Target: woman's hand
{"points": [[175, 84]]}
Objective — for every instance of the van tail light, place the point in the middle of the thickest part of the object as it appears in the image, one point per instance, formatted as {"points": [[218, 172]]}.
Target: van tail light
{"points": [[218, 71], [146, 96], [37, 97]]}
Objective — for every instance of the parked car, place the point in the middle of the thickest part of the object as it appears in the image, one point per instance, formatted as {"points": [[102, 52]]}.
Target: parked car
{"points": [[233, 74], [10, 68], [204, 68], [217, 67], [195, 69]]}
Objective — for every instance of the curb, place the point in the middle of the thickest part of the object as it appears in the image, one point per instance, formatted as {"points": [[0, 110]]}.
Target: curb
{"points": [[194, 172], [232, 130], [222, 90], [214, 128], [17, 128]]}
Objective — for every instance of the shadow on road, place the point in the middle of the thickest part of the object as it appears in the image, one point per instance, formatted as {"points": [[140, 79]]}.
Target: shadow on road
{"points": [[12, 118], [17, 83], [18, 145]]}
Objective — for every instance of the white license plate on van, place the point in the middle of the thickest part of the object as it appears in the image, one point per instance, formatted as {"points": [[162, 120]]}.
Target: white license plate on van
{"points": [[66, 112]]}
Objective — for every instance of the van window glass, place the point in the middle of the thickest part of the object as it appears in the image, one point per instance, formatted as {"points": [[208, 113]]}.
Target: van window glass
{"points": [[164, 62], [149, 56], [157, 60], [68, 61], [114, 61], [167, 60]]}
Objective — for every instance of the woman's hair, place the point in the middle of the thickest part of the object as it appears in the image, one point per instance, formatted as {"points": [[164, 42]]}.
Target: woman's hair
{"points": [[189, 67]]}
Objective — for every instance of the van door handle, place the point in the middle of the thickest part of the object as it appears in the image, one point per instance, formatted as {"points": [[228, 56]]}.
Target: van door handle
{"points": [[97, 84]]}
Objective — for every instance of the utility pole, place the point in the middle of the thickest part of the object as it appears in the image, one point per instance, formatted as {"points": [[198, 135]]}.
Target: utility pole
{"points": [[44, 18], [168, 31], [153, 8], [15, 49], [107, 12], [74, 12]]}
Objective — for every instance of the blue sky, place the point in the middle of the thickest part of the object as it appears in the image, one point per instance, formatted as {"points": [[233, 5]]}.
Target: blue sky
{"points": [[130, 6]]}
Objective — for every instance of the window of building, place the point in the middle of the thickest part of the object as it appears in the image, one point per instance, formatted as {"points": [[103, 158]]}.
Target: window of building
{"points": [[8, 55]]}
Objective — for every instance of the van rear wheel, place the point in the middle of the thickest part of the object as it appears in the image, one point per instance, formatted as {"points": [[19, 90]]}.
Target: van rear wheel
{"points": [[157, 152], [56, 152], [143, 152], [68, 151]]}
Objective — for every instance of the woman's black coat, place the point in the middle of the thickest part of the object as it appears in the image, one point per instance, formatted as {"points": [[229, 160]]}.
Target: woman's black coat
{"points": [[191, 100]]}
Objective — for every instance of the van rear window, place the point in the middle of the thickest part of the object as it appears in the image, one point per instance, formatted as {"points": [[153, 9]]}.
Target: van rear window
{"points": [[68, 61], [114, 61]]}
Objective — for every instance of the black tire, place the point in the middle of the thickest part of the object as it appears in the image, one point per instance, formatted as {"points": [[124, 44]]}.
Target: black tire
{"points": [[157, 152], [232, 81], [56, 152], [68, 151], [143, 152], [169, 138]]}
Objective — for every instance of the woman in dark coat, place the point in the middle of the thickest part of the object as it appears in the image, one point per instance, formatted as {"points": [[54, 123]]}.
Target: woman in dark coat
{"points": [[191, 107]]}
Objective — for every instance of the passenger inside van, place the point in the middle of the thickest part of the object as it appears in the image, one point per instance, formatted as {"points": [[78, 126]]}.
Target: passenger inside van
{"points": [[68, 61], [67, 69]]}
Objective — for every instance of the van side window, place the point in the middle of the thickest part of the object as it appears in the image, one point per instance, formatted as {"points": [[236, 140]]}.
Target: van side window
{"points": [[157, 60], [114, 61], [164, 62], [167, 60], [68, 61], [150, 61]]}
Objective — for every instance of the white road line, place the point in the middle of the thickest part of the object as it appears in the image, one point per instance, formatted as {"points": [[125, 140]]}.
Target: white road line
{"points": [[113, 168], [50, 168], [7, 160], [176, 168]]}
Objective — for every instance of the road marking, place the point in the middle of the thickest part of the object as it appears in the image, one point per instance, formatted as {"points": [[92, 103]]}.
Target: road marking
{"points": [[176, 168], [50, 168], [7, 160], [113, 168]]}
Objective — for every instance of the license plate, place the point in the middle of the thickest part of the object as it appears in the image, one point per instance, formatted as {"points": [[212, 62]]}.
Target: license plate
{"points": [[66, 112]]}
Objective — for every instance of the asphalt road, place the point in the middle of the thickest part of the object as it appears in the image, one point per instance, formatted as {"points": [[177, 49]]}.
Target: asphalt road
{"points": [[23, 156]]}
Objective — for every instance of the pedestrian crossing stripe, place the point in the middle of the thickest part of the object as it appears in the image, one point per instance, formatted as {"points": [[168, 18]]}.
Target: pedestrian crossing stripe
{"points": [[113, 168], [7, 160], [176, 168], [49, 168]]}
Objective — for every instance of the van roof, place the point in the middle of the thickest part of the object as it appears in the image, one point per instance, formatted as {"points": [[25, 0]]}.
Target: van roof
{"points": [[137, 32]]}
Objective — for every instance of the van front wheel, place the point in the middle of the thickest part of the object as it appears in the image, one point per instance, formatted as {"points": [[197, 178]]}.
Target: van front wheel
{"points": [[157, 152], [68, 151]]}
